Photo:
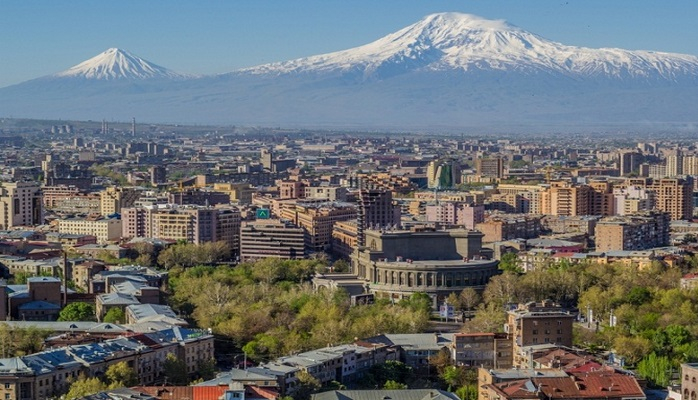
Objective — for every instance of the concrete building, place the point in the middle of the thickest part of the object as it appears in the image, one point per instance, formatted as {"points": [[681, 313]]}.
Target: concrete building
{"points": [[195, 224], [158, 174], [456, 213], [397, 264], [629, 161], [633, 232], [674, 196], [483, 350], [689, 381], [113, 199], [500, 227], [490, 167], [538, 323], [317, 220], [377, 209], [564, 198], [271, 239], [632, 199], [443, 173], [21, 204], [240, 193], [104, 229], [344, 238]]}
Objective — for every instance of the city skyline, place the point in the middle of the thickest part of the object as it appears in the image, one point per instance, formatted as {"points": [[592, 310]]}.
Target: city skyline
{"points": [[225, 36]]}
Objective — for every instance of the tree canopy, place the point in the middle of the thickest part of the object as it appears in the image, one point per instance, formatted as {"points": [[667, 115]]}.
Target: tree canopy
{"points": [[78, 311]]}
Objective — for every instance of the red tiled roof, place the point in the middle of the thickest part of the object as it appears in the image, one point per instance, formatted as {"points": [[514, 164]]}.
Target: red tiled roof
{"points": [[592, 385]]}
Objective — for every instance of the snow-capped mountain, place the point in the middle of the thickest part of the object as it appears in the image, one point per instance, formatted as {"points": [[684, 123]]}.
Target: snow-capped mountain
{"points": [[117, 64], [456, 41], [449, 71]]}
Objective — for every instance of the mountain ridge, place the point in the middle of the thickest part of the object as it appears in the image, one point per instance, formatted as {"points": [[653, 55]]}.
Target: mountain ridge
{"points": [[448, 69]]}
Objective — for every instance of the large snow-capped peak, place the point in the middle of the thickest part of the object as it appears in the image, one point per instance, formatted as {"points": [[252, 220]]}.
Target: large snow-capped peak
{"points": [[114, 64], [457, 41]]}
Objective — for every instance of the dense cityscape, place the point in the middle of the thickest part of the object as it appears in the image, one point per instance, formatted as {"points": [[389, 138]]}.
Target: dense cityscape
{"points": [[163, 261]]}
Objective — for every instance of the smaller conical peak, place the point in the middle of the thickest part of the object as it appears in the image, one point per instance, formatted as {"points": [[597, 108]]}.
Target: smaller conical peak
{"points": [[115, 63]]}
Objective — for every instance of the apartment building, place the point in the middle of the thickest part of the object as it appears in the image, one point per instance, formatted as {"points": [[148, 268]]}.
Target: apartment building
{"points": [[317, 219], [483, 350], [21, 204], [500, 227], [633, 232], [538, 323], [194, 224], [104, 229], [456, 213]]}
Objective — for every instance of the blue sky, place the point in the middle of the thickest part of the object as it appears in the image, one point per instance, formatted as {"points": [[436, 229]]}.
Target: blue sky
{"points": [[40, 37]]}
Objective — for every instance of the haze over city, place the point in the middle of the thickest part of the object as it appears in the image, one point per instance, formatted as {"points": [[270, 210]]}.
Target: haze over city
{"points": [[325, 200]]}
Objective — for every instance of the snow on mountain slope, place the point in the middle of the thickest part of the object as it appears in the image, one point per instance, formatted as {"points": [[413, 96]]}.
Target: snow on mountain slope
{"points": [[449, 41], [115, 64], [448, 70]]}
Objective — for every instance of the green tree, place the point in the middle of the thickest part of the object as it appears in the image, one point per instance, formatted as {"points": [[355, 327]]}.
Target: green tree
{"points": [[510, 263], [469, 298], [656, 369], [467, 392], [120, 374], [340, 266], [78, 311], [392, 385], [307, 385], [175, 371], [390, 371], [206, 369], [114, 316], [85, 386], [488, 318], [633, 348], [453, 376]]}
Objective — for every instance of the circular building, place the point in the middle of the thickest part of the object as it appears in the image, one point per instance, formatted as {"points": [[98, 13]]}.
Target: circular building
{"points": [[397, 264]]}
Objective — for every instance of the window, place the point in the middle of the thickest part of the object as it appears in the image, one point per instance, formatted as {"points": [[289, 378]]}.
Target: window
{"points": [[559, 331], [535, 331]]}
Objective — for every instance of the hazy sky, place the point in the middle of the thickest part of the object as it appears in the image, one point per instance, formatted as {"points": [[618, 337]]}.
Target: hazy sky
{"points": [[43, 37]]}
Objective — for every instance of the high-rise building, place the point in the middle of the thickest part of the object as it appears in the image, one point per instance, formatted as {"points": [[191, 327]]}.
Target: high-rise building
{"points": [[673, 195], [629, 161], [158, 175], [113, 199], [674, 163], [20, 204], [443, 173], [378, 209], [563, 198]]}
